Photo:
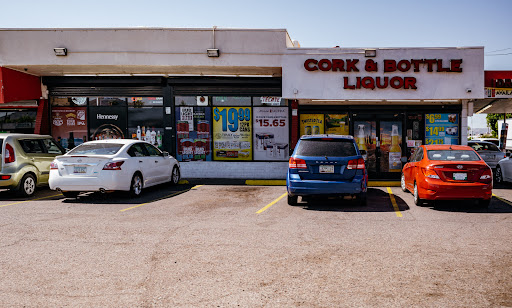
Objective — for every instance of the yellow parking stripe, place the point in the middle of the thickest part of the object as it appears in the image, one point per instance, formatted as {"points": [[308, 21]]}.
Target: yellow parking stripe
{"points": [[393, 201], [271, 203], [503, 200], [30, 200]]}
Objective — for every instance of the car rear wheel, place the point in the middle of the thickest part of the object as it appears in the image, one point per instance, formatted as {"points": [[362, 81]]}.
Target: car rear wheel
{"points": [[402, 183], [175, 176], [484, 203], [362, 199], [70, 194], [292, 200], [417, 200], [499, 175], [27, 186], [136, 185]]}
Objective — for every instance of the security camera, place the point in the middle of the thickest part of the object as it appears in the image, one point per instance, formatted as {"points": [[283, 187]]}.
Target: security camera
{"points": [[468, 90]]}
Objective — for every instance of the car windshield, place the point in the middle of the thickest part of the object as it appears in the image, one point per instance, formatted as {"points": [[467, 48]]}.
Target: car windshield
{"points": [[326, 147], [455, 155], [96, 149], [482, 146]]}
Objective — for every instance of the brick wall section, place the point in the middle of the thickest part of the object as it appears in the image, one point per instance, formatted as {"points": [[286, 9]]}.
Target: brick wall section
{"points": [[42, 118], [234, 170]]}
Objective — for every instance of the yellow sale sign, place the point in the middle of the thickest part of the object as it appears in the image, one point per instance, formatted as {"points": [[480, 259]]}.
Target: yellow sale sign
{"points": [[311, 124]]}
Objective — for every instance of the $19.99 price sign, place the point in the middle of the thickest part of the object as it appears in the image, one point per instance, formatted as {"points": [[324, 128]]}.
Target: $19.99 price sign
{"points": [[231, 118], [232, 133]]}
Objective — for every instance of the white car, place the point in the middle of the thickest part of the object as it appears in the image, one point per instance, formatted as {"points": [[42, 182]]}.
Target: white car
{"points": [[109, 165], [504, 170]]}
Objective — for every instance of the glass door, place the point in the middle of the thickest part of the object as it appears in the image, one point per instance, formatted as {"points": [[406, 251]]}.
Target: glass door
{"points": [[380, 137]]}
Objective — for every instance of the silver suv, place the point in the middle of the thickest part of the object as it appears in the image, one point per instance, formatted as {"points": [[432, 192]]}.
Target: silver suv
{"points": [[26, 160]]}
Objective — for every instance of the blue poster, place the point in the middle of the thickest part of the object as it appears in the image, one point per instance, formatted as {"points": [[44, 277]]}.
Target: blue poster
{"points": [[194, 141], [441, 128]]}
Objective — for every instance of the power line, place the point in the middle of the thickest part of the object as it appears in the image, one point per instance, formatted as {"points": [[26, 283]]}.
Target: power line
{"points": [[499, 50], [499, 54]]}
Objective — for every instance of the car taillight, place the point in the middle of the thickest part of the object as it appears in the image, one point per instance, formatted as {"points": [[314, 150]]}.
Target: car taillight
{"points": [[53, 165], [5, 177], [297, 163], [357, 164], [9, 156], [486, 176], [113, 165], [430, 173]]}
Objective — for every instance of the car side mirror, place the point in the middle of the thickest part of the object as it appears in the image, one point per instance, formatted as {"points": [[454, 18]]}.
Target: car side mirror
{"points": [[166, 154]]}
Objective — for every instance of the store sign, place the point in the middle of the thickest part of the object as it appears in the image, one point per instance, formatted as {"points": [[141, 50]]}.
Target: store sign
{"points": [[401, 73], [498, 84], [107, 122], [232, 133], [69, 125], [441, 128]]}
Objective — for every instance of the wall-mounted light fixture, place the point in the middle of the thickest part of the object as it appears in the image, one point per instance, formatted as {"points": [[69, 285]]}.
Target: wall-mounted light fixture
{"points": [[60, 51], [213, 52], [370, 53]]}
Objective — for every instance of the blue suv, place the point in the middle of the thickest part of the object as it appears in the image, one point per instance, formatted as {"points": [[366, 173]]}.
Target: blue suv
{"points": [[326, 165]]}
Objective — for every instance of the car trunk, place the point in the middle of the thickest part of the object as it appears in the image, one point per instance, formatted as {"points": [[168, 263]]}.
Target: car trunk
{"points": [[463, 172], [81, 165], [327, 168]]}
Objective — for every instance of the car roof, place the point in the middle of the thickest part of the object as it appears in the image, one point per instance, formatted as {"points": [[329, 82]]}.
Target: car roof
{"points": [[481, 141], [18, 135], [121, 141], [345, 137], [448, 147]]}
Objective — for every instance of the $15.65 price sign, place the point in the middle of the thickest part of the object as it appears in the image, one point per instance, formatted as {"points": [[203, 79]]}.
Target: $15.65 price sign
{"points": [[233, 119]]}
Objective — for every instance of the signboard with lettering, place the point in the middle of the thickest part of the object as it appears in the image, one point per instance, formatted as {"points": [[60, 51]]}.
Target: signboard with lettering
{"points": [[107, 123], [498, 84], [69, 125], [441, 128]]}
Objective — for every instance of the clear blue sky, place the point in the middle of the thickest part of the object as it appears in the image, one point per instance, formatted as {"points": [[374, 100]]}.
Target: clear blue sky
{"points": [[370, 23]]}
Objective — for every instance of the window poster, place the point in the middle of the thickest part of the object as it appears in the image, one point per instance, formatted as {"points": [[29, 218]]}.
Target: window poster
{"points": [[107, 123], [69, 125], [311, 124], [193, 141], [270, 133], [336, 124], [232, 133], [441, 128], [365, 133], [390, 146]]}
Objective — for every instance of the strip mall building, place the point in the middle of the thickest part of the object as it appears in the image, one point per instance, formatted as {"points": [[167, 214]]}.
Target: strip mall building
{"points": [[232, 103]]}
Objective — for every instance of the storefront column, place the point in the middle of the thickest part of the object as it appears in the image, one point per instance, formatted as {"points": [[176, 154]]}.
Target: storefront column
{"points": [[464, 123], [42, 118], [294, 124]]}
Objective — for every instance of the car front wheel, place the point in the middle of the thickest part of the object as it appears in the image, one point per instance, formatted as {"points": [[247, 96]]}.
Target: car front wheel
{"points": [[136, 185]]}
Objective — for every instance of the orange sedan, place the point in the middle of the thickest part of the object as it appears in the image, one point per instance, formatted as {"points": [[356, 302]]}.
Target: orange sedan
{"points": [[447, 172]]}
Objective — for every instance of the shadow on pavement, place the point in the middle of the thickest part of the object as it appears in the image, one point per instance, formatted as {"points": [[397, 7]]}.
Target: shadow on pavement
{"points": [[471, 206], [377, 201], [151, 194]]}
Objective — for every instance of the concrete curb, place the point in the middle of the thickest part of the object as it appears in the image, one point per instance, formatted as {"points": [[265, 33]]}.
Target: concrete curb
{"points": [[269, 182]]}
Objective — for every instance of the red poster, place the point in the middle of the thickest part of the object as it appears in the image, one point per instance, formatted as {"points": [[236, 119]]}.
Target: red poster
{"points": [[69, 125]]}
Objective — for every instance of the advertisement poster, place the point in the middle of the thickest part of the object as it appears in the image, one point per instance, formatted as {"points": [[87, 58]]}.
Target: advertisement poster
{"points": [[391, 146], [311, 124], [232, 133], [336, 124], [69, 125], [194, 141], [441, 128], [270, 133], [365, 135], [107, 123]]}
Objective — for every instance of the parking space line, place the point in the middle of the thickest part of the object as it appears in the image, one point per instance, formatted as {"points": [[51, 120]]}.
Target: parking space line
{"points": [[197, 186], [503, 200], [393, 201], [30, 200], [165, 197], [271, 203]]}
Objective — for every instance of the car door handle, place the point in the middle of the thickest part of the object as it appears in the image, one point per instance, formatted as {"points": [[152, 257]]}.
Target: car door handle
{"points": [[156, 161], [140, 161]]}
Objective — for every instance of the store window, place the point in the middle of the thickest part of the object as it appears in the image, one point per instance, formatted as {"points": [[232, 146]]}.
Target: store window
{"points": [[18, 121], [271, 133]]}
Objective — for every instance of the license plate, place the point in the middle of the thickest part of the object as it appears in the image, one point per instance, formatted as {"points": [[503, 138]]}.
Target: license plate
{"points": [[79, 169], [460, 176], [326, 169]]}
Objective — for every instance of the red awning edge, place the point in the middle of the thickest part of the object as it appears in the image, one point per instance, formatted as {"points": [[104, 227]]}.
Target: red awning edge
{"points": [[17, 86]]}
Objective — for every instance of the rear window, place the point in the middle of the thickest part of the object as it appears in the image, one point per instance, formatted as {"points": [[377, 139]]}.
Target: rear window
{"points": [[332, 147], [96, 149], [480, 146], [455, 155]]}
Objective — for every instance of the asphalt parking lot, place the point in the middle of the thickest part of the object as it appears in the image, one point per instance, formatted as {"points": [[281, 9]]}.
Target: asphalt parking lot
{"points": [[237, 245]]}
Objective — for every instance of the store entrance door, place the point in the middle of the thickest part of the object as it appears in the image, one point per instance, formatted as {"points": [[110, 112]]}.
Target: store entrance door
{"points": [[381, 137]]}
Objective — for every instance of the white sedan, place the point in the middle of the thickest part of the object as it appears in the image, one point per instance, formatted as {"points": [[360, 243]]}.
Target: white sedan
{"points": [[109, 165]]}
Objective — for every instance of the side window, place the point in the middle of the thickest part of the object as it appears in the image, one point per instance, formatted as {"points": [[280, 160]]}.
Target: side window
{"points": [[31, 146], [153, 151], [52, 147], [137, 150]]}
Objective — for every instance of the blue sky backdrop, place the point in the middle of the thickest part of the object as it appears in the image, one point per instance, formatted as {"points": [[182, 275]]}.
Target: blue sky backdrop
{"points": [[370, 23]]}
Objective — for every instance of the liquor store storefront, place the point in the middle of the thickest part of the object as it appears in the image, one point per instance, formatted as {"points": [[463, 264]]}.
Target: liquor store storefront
{"points": [[390, 100]]}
